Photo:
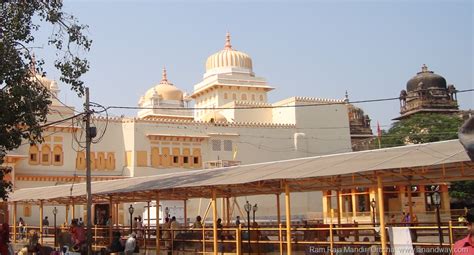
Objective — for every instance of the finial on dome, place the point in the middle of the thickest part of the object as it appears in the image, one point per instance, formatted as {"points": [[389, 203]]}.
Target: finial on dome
{"points": [[346, 97], [424, 68], [227, 46], [164, 78]]}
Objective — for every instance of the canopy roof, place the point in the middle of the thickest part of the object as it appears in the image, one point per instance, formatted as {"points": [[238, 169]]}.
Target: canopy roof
{"points": [[417, 164]]}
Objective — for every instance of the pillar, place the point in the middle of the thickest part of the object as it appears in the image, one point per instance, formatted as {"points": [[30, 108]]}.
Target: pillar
{"points": [[445, 201], [288, 218], [227, 213], [214, 221], [185, 213], [383, 233], [325, 205], [410, 201], [41, 222], [148, 218], [110, 220], [67, 215], [157, 225], [339, 206], [354, 204], [73, 210], [14, 221], [278, 209]]}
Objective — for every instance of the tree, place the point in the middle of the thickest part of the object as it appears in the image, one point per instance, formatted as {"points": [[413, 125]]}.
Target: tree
{"points": [[24, 100], [425, 128], [422, 128]]}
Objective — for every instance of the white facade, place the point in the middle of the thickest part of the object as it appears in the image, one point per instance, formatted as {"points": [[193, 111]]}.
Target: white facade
{"points": [[164, 140]]}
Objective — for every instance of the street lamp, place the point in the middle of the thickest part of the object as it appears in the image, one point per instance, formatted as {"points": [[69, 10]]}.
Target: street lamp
{"points": [[373, 204], [254, 209], [55, 211], [248, 208], [131, 210], [436, 199]]}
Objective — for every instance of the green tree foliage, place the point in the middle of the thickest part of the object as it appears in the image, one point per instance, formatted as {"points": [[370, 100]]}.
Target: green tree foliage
{"points": [[422, 128], [23, 99], [425, 128]]}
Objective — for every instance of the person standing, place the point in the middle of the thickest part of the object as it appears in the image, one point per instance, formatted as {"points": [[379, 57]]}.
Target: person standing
{"points": [[45, 225], [237, 221], [465, 246], [197, 223], [130, 244], [21, 228]]}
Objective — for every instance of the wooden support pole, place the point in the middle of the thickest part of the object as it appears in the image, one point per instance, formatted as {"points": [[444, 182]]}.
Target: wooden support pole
{"points": [[227, 213], [110, 220], [383, 232], [278, 209], [207, 211], [288, 219], [339, 207], [157, 224], [410, 202], [214, 222], [41, 221], [67, 215], [354, 204], [185, 213], [14, 222], [149, 220], [73, 211], [117, 214]]}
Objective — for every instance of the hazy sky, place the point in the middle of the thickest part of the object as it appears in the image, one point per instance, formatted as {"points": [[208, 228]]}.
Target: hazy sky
{"points": [[303, 48]]}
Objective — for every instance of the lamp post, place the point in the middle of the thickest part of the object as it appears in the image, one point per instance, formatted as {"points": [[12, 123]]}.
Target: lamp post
{"points": [[131, 210], [372, 205], [55, 211], [254, 210], [248, 208], [436, 199]]}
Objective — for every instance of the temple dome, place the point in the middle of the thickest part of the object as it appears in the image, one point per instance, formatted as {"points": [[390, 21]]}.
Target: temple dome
{"points": [[425, 80], [164, 90], [214, 117], [228, 57]]}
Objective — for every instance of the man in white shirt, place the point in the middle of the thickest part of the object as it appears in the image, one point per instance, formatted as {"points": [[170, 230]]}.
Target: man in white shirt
{"points": [[130, 244]]}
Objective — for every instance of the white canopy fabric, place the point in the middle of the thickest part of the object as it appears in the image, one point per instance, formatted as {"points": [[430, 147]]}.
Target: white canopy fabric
{"points": [[422, 163]]}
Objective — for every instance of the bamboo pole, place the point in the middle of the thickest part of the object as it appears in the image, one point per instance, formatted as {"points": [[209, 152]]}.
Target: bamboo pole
{"points": [[185, 213], [410, 202], [331, 239], [339, 207], [207, 211], [238, 240], [451, 238], [157, 224], [73, 211], [41, 222], [383, 236], [214, 221], [288, 219], [67, 215]]}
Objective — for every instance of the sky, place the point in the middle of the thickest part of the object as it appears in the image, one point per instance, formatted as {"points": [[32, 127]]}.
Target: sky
{"points": [[303, 48]]}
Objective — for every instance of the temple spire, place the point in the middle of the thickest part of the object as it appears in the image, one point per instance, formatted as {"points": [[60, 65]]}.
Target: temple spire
{"points": [[227, 46], [164, 77], [33, 64], [424, 68]]}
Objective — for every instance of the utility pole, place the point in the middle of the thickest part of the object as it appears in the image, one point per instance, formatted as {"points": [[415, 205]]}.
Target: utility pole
{"points": [[87, 119]]}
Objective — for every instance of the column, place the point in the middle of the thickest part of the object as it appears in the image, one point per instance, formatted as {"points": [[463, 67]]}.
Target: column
{"points": [[354, 204], [339, 206], [41, 222], [14, 222], [383, 237], [110, 220], [157, 225], [288, 218], [278, 209], [214, 221]]}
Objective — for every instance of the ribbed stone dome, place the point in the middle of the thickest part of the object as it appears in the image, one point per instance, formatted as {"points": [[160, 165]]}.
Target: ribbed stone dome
{"points": [[229, 57], [426, 79]]}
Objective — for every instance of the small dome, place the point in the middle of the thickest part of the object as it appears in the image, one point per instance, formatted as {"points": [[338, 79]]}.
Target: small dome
{"points": [[228, 57], [425, 80], [214, 117], [165, 89]]}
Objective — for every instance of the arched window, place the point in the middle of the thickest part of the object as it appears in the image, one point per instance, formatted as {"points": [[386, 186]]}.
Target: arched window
{"points": [[155, 157], [244, 97], [234, 96], [58, 155], [80, 160], [34, 155], [253, 97], [261, 97], [100, 164], [110, 165], [45, 155], [225, 95]]}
